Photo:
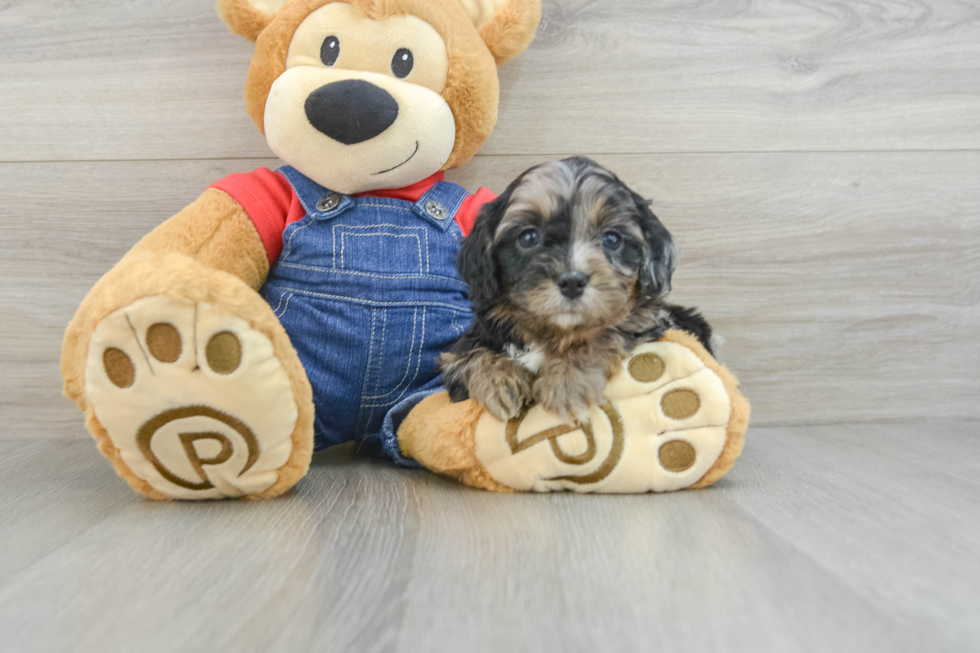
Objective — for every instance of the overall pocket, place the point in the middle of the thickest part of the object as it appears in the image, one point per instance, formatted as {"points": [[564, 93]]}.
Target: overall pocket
{"points": [[405, 344], [382, 248]]}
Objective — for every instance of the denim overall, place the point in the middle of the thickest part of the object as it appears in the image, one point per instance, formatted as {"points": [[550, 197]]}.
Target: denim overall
{"points": [[367, 289]]}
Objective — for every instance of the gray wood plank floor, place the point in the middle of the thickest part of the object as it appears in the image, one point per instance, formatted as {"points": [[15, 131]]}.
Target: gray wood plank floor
{"points": [[819, 163], [857, 538]]}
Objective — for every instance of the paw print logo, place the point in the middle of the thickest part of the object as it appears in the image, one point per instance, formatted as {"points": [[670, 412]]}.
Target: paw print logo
{"points": [[553, 436], [189, 441], [193, 398]]}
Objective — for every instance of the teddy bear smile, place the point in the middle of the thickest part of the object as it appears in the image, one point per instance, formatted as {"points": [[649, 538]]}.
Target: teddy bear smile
{"points": [[374, 174]]}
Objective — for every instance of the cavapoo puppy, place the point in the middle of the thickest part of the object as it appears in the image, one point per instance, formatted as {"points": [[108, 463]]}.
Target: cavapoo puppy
{"points": [[567, 272]]}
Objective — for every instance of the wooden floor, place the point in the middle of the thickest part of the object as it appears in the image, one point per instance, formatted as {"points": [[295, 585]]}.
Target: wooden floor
{"points": [[819, 165], [859, 538]]}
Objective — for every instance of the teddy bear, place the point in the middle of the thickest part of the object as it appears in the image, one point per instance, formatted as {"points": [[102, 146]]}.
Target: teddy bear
{"points": [[287, 311]]}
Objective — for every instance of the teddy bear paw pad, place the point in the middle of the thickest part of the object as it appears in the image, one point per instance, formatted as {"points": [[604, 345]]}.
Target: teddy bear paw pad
{"points": [[193, 398], [662, 426]]}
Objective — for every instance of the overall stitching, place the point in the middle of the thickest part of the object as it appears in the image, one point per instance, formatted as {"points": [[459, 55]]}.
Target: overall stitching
{"points": [[367, 376], [343, 245], [345, 229], [369, 302], [309, 221], [336, 303], [385, 206], [284, 308], [418, 366], [408, 366], [372, 275]]}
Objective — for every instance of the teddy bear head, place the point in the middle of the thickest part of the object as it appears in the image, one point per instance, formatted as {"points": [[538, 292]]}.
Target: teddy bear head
{"points": [[361, 95]]}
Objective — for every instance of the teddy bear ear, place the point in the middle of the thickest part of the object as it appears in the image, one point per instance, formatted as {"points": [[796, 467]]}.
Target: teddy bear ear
{"points": [[507, 26], [248, 17]]}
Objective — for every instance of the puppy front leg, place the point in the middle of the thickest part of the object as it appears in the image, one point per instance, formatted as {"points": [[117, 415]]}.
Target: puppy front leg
{"points": [[571, 384], [497, 382]]}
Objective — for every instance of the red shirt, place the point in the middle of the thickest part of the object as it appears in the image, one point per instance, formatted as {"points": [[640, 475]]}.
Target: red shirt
{"points": [[270, 201]]}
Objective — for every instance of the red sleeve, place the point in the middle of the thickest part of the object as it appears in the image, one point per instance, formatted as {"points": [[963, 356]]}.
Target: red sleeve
{"points": [[470, 208], [269, 200]]}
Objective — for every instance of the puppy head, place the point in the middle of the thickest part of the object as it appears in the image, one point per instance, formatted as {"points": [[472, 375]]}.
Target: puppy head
{"points": [[360, 95], [567, 250]]}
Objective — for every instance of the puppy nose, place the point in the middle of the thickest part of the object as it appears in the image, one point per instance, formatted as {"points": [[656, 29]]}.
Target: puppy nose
{"points": [[351, 111], [572, 284]]}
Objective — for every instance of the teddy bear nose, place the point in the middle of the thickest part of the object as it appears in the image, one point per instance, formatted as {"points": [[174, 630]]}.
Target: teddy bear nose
{"points": [[351, 111]]}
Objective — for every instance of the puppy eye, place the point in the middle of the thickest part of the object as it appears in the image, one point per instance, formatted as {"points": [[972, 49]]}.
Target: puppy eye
{"points": [[402, 63], [528, 238], [330, 50], [612, 240]]}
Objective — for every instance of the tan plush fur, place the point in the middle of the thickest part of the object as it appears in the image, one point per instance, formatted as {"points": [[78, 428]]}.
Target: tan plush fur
{"points": [[209, 252], [512, 29], [178, 276], [738, 421], [441, 435], [243, 18], [216, 231]]}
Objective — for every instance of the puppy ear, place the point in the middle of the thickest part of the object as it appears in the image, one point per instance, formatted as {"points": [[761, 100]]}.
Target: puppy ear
{"points": [[661, 255], [248, 17], [506, 26], [476, 262]]}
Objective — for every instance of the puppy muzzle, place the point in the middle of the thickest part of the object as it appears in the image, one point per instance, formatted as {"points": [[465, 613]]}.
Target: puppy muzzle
{"points": [[572, 284]]}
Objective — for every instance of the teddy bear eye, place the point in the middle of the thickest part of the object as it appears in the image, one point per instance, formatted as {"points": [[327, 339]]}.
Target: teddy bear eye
{"points": [[402, 63], [330, 50]]}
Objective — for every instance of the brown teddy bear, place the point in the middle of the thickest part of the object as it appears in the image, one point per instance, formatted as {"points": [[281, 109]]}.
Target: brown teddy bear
{"points": [[296, 309]]}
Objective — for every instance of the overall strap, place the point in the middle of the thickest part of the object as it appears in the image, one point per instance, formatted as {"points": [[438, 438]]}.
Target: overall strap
{"points": [[317, 201], [440, 204]]}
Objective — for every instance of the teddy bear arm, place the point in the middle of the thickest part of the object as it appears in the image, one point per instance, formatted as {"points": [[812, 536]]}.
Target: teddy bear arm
{"points": [[217, 232]]}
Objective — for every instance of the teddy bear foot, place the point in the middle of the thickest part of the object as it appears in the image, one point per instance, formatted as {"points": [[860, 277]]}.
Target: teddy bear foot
{"points": [[673, 418], [192, 402]]}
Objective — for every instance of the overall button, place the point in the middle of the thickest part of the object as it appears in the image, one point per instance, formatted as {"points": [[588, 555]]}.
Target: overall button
{"points": [[328, 202], [436, 210]]}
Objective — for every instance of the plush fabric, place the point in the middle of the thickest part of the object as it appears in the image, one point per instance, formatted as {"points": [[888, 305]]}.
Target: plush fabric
{"points": [[441, 435], [471, 89], [636, 440], [419, 142], [511, 29], [148, 274], [182, 359], [248, 19]]}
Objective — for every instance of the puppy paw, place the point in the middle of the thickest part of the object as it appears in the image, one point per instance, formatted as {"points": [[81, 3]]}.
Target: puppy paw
{"points": [[194, 399], [506, 391], [569, 391], [498, 383]]}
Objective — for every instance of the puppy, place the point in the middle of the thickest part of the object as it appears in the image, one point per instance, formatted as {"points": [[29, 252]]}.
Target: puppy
{"points": [[567, 273]]}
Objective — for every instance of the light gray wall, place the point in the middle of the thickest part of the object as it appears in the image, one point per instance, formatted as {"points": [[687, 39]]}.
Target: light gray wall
{"points": [[819, 164]]}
